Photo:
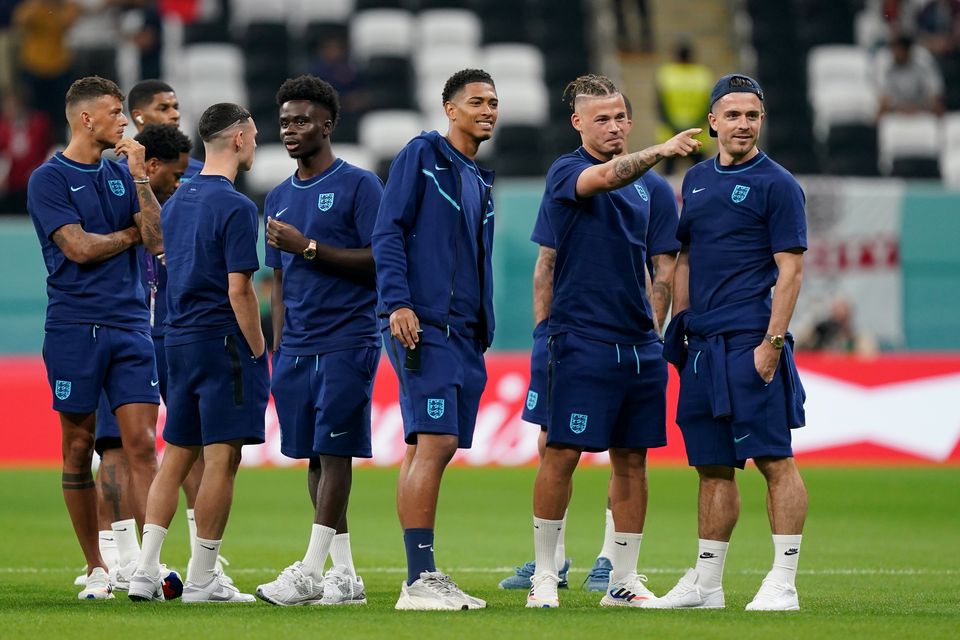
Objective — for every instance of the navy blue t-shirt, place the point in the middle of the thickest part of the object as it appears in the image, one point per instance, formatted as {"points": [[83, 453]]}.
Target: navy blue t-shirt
{"points": [[734, 219], [209, 231], [602, 245], [152, 273], [101, 198], [325, 311], [466, 299]]}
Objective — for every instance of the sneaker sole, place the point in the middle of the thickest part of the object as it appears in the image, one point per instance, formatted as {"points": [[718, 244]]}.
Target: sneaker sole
{"points": [[405, 604], [607, 601], [270, 600], [539, 604], [796, 608], [337, 604]]}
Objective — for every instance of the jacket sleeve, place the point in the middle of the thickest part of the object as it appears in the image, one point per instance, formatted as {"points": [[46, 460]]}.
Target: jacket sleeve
{"points": [[396, 217]]}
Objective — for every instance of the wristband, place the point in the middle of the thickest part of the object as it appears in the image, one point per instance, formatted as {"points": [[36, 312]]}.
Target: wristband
{"points": [[142, 180]]}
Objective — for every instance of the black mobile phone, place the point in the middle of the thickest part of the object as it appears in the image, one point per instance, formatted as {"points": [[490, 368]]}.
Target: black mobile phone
{"points": [[411, 357]]}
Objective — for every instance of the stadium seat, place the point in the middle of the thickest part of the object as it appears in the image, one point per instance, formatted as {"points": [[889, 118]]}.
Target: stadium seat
{"points": [[271, 166], [243, 12], [365, 5], [836, 65], [522, 102], [915, 167], [316, 31], [513, 61], [504, 22], [383, 32], [213, 61], [518, 150], [851, 150], [388, 81], [384, 133], [950, 170], [205, 32], [355, 155], [458, 27], [307, 11], [843, 104], [439, 62], [909, 138], [424, 5]]}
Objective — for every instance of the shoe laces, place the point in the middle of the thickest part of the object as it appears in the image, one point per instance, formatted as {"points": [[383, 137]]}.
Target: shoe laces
{"points": [[441, 583], [292, 575], [526, 571], [335, 580]]}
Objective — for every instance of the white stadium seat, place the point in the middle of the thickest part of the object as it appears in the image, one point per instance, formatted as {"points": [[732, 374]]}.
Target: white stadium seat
{"points": [[381, 32], [448, 26], [384, 133], [513, 61], [355, 155], [304, 11], [522, 102], [843, 104], [243, 12], [439, 62], [915, 136], [271, 166]]}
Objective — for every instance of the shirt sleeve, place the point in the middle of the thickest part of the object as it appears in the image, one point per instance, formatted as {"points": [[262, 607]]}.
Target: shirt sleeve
{"points": [[48, 202], [683, 226], [240, 238], [662, 232], [787, 219], [369, 194], [542, 231], [562, 179], [131, 188], [271, 255]]}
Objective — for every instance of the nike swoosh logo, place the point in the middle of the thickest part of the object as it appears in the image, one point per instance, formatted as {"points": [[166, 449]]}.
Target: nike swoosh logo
{"points": [[221, 594], [699, 190], [78, 188], [337, 435], [741, 439], [706, 555], [124, 529], [206, 547], [791, 552], [424, 546], [154, 383], [280, 213], [622, 544], [439, 168]]}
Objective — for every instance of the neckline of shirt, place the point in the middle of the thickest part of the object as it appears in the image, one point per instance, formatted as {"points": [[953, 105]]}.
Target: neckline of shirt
{"points": [[738, 168], [306, 184], [79, 166], [467, 162]]}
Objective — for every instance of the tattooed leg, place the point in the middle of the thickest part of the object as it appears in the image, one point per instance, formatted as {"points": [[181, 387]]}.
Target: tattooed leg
{"points": [[79, 489]]}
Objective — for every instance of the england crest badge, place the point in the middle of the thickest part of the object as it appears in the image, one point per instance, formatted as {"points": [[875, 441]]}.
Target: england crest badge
{"points": [[325, 201], [116, 187]]}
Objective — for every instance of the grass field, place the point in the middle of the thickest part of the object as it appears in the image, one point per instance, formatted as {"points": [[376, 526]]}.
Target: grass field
{"points": [[879, 560]]}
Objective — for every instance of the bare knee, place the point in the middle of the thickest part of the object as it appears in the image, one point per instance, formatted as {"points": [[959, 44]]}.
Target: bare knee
{"points": [[716, 473], [435, 449], [78, 449], [561, 459]]}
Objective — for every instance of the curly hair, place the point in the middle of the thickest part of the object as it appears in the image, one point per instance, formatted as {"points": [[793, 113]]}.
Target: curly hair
{"points": [[589, 85], [165, 142], [462, 78], [91, 88], [313, 89]]}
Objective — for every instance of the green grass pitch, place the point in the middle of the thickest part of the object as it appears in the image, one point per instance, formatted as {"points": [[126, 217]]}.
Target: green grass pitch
{"points": [[879, 560]]}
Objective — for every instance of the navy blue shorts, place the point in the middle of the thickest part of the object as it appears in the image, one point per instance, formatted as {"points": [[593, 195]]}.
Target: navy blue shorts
{"points": [[535, 409], [443, 396], [323, 402], [218, 392], [606, 395], [84, 361], [108, 430], [758, 426]]}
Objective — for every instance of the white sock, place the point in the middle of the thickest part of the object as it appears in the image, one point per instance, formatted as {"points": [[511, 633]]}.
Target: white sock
{"points": [[192, 527], [711, 555], [108, 549], [125, 534], [626, 551], [786, 555], [340, 554], [546, 533], [153, 537], [608, 532], [561, 556], [203, 561], [320, 539]]}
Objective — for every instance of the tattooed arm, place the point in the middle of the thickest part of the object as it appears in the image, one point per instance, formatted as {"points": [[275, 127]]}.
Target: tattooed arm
{"points": [[88, 248], [543, 283], [148, 219], [662, 286], [623, 170]]}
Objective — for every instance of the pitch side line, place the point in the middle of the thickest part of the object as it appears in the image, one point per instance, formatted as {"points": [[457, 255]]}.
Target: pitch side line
{"points": [[456, 570]]}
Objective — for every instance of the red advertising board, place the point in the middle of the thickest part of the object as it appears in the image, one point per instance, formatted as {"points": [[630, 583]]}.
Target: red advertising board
{"points": [[892, 409]]}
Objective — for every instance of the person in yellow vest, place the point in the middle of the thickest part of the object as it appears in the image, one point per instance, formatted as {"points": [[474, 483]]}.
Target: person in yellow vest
{"points": [[683, 100]]}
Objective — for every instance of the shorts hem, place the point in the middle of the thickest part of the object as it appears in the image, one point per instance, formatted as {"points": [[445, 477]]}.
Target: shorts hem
{"points": [[136, 400]]}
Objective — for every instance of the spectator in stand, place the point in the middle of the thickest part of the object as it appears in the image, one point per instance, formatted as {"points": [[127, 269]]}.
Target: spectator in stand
{"points": [[836, 333], [938, 26], [25, 142], [909, 79], [142, 26], [45, 58], [333, 65], [683, 100]]}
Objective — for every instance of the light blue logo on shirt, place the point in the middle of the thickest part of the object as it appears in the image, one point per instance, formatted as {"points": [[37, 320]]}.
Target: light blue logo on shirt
{"points": [[641, 191], [116, 187], [325, 201], [435, 408], [532, 397], [739, 193], [62, 389], [578, 422]]}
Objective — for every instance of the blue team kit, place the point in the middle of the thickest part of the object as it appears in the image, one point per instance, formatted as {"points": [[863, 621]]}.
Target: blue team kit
{"points": [[734, 220], [330, 346], [432, 243]]}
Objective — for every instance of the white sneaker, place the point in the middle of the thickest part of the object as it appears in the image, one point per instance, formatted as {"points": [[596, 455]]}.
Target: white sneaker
{"points": [[217, 590], [775, 596], [144, 587], [543, 591], [435, 591], [97, 586], [80, 580], [687, 594], [339, 587], [293, 587], [629, 592], [120, 575], [218, 568]]}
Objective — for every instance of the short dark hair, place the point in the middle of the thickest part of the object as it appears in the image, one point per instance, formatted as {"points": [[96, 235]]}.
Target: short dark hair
{"points": [[626, 103], [218, 117], [591, 84], [141, 94], [91, 88], [462, 78], [165, 142], [313, 89]]}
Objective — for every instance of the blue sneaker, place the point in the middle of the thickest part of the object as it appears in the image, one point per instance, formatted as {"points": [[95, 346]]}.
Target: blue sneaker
{"points": [[599, 576], [521, 578]]}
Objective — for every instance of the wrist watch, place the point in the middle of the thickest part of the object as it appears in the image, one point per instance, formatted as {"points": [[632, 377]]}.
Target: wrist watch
{"points": [[776, 341], [311, 252]]}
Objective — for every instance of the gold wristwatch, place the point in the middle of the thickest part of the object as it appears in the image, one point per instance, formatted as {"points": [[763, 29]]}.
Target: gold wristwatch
{"points": [[776, 341], [311, 252]]}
